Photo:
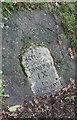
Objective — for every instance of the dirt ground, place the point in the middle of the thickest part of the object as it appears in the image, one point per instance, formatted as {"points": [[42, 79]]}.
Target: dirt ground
{"points": [[61, 104]]}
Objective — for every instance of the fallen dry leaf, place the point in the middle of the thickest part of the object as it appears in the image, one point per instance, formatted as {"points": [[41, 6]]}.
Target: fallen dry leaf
{"points": [[65, 89], [72, 81], [71, 53], [1, 116], [14, 1], [69, 86], [59, 42]]}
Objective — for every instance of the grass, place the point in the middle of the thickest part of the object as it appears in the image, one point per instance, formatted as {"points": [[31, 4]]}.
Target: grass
{"points": [[67, 13], [3, 94], [9, 7]]}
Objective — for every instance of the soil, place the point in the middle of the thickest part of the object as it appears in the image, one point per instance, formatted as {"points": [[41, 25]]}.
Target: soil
{"points": [[61, 104]]}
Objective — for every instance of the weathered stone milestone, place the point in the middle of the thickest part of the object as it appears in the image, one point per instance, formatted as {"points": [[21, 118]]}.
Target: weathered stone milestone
{"points": [[40, 69]]}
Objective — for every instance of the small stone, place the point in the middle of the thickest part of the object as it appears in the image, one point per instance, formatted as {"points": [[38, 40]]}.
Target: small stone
{"points": [[7, 26], [3, 48], [5, 18], [2, 25], [0, 71], [36, 101]]}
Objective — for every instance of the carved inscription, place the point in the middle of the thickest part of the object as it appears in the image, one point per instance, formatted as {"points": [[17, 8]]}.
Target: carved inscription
{"points": [[42, 72]]}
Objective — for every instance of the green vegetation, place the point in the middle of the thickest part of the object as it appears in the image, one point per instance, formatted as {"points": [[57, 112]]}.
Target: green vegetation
{"points": [[70, 98], [8, 8], [13, 108], [66, 13], [3, 94]]}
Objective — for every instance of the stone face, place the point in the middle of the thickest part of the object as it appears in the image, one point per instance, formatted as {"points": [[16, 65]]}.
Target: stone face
{"points": [[40, 69]]}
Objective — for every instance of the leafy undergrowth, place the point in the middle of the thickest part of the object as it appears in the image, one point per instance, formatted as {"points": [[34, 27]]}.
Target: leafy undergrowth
{"points": [[59, 105], [3, 94], [67, 14], [8, 8]]}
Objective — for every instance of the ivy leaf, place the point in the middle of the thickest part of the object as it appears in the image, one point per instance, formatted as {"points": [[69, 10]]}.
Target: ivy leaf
{"points": [[13, 108], [6, 95], [0, 83], [46, 107], [70, 98]]}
